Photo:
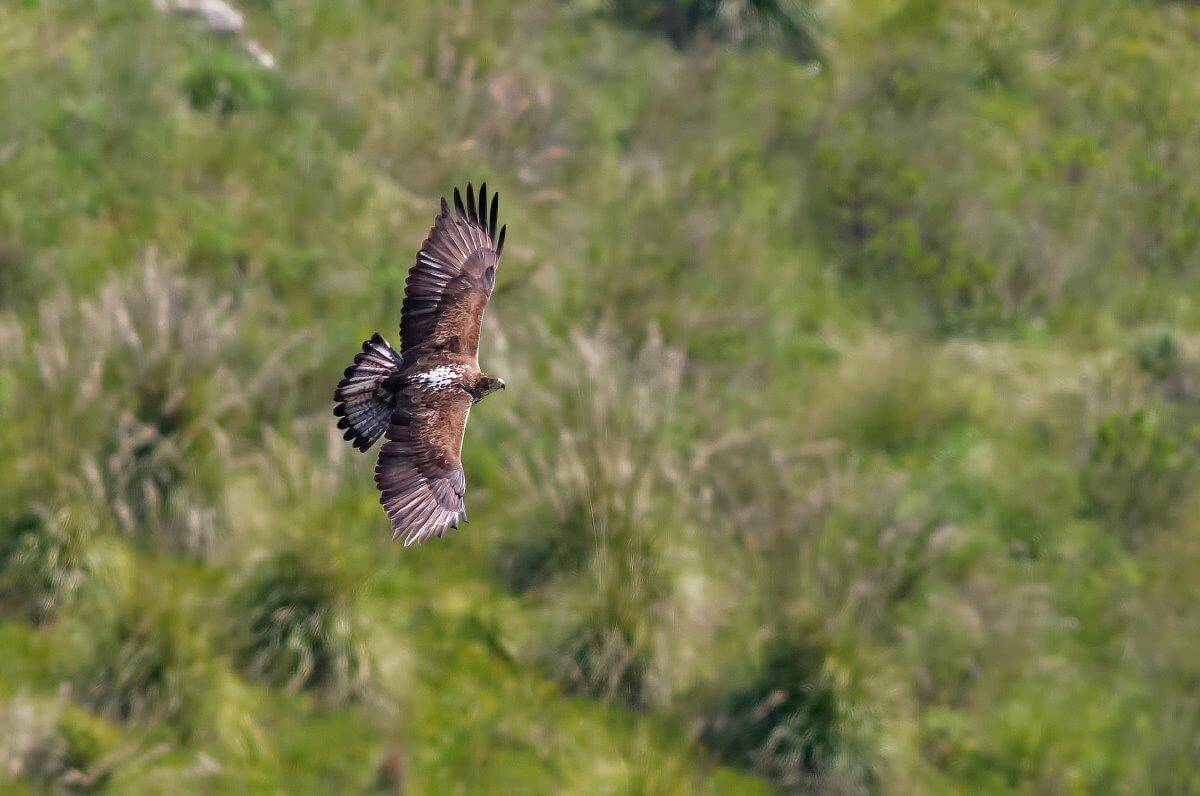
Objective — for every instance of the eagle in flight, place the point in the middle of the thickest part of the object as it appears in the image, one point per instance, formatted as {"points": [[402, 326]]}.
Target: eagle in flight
{"points": [[419, 397]]}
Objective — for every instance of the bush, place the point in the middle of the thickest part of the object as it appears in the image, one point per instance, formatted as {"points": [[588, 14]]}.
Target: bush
{"points": [[899, 228], [1138, 472], [228, 84], [292, 626], [42, 565], [140, 661], [606, 512], [1161, 357], [55, 746], [529, 561], [132, 399], [1158, 356], [604, 659], [784, 722], [788, 24]]}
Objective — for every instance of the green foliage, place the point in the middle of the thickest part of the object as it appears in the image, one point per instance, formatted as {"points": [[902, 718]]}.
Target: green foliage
{"points": [[847, 440], [228, 84], [1158, 357], [960, 167], [56, 746], [784, 722], [791, 23], [1139, 471], [42, 565], [899, 232], [139, 662], [291, 626]]}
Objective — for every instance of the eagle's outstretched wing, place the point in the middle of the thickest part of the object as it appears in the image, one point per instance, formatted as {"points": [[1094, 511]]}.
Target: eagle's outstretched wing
{"points": [[419, 474], [449, 285]]}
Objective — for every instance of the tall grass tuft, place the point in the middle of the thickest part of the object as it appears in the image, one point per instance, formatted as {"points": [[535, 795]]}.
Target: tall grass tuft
{"points": [[43, 564], [598, 451], [1139, 472], [291, 625], [54, 746], [784, 722], [132, 401], [790, 25], [141, 661]]}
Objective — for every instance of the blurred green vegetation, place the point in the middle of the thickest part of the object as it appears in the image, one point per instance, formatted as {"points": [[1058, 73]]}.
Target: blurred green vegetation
{"points": [[851, 438]]}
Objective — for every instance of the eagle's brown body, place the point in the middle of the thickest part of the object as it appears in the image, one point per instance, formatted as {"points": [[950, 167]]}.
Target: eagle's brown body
{"points": [[420, 397]]}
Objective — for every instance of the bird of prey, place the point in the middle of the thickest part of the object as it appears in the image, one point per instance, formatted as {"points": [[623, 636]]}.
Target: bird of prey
{"points": [[419, 397]]}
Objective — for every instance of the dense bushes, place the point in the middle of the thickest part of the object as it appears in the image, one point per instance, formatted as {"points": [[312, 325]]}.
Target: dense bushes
{"points": [[228, 83], [901, 232]]}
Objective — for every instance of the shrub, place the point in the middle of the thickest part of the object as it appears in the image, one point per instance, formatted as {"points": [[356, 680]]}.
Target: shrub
{"points": [[610, 647], [228, 84], [55, 746], [1138, 472], [132, 399], [1158, 356], [600, 537], [291, 625], [42, 565], [551, 544], [788, 24], [900, 229], [141, 663], [784, 722]]}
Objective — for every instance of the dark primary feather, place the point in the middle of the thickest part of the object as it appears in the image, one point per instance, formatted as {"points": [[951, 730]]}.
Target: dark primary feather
{"points": [[449, 284]]}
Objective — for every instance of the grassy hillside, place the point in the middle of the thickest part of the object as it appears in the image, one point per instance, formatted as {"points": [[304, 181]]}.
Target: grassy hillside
{"points": [[851, 438]]}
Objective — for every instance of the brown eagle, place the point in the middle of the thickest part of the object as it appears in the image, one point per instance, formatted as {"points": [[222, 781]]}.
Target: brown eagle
{"points": [[421, 396]]}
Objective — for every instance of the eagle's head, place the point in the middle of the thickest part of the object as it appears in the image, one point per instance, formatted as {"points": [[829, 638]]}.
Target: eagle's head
{"points": [[485, 385]]}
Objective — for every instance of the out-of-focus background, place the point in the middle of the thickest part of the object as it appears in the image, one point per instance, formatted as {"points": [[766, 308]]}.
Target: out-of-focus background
{"points": [[850, 442]]}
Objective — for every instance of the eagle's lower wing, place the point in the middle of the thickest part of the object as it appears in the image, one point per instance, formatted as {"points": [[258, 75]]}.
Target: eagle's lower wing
{"points": [[449, 285], [419, 474]]}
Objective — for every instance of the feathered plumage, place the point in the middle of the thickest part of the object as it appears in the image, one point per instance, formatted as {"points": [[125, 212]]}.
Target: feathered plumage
{"points": [[421, 396]]}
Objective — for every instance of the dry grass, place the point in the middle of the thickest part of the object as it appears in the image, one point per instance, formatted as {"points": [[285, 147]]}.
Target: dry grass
{"points": [[133, 400]]}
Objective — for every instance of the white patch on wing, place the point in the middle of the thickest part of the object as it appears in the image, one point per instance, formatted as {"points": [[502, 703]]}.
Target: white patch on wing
{"points": [[440, 378]]}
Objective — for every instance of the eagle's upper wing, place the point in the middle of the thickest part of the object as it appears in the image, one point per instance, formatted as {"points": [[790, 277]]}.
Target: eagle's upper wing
{"points": [[448, 287], [419, 474]]}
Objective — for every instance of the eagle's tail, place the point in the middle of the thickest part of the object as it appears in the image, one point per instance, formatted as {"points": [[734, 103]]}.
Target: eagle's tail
{"points": [[364, 402]]}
